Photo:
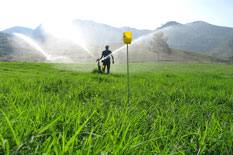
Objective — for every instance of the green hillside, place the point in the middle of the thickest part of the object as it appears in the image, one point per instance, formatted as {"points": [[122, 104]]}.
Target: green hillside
{"points": [[66, 109]]}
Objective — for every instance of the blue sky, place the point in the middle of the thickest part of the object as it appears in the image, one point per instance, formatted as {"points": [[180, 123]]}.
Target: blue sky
{"points": [[144, 14], [218, 12]]}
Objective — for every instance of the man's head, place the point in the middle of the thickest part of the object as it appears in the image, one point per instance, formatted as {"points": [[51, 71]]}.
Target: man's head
{"points": [[107, 47]]}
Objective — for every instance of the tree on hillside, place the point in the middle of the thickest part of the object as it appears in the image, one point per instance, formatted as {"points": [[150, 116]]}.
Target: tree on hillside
{"points": [[159, 44], [230, 46], [231, 42]]}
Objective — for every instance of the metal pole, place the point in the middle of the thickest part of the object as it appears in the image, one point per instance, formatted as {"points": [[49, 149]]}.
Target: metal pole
{"points": [[128, 89]]}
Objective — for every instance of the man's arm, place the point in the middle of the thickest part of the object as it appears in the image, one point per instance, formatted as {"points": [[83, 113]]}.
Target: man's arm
{"points": [[101, 57]]}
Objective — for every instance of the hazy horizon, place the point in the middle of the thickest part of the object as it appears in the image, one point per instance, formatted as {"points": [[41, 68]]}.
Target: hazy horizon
{"points": [[146, 14], [151, 29]]}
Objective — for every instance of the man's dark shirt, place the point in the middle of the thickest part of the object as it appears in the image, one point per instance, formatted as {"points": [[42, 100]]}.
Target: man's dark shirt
{"points": [[106, 53]]}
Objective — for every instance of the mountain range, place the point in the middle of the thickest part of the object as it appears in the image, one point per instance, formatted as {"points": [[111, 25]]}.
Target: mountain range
{"points": [[196, 41]]}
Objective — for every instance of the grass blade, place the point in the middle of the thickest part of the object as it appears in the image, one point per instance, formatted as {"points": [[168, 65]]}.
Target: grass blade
{"points": [[72, 139], [17, 141], [41, 130]]}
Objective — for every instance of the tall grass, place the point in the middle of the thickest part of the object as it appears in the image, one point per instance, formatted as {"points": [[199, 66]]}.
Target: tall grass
{"points": [[175, 109]]}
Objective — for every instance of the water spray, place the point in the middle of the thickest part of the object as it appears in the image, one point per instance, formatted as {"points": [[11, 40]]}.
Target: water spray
{"points": [[132, 43], [127, 38], [32, 43], [65, 30]]}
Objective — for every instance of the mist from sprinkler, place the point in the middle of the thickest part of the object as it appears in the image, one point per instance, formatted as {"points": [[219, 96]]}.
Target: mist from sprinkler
{"points": [[65, 30], [125, 46], [32, 43]]}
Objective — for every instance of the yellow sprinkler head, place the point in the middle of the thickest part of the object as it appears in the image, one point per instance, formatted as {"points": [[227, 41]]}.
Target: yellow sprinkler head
{"points": [[127, 37]]}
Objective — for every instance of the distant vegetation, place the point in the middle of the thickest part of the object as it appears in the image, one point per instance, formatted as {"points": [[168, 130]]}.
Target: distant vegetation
{"points": [[159, 45]]}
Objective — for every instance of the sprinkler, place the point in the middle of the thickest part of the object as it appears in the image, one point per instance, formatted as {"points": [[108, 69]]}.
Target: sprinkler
{"points": [[127, 38]]}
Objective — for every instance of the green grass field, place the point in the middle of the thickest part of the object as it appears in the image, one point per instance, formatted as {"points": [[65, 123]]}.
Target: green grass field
{"points": [[66, 109]]}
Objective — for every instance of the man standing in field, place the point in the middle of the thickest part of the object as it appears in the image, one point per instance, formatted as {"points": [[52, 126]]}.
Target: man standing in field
{"points": [[106, 59]]}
